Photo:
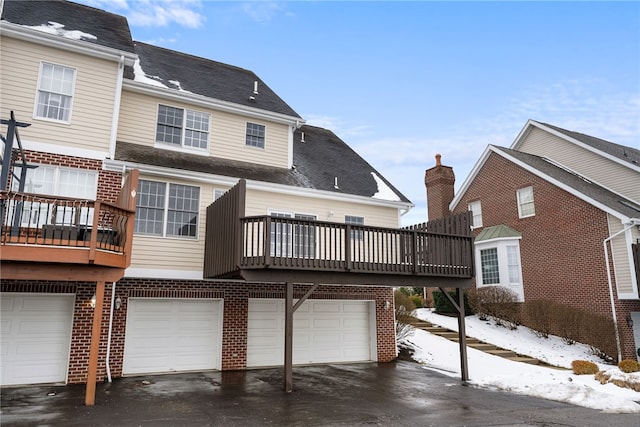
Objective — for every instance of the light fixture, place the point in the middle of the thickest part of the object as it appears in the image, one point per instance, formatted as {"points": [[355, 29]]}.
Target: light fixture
{"points": [[387, 305], [93, 301], [629, 320], [118, 303]]}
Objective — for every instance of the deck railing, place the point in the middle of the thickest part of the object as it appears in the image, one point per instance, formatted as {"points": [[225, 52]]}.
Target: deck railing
{"points": [[33, 219], [235, 242]]}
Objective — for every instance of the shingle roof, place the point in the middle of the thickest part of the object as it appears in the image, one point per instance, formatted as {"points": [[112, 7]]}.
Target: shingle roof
{"points": [[208, 78], [627, 154], [576, 182], [110, 30], [322, 157]]}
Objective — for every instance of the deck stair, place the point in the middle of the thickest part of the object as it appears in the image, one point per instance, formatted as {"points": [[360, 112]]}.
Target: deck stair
{"points": [[474, 343]]}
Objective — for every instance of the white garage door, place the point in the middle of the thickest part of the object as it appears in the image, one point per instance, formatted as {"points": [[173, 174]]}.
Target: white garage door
{"points": [[169, 335], [35, 338], [324, 331]]}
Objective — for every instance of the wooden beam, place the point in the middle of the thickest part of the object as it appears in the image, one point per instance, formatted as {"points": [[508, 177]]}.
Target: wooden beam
{"points": [[288, 337], [462, 334], [59, 272], [94, 350]]}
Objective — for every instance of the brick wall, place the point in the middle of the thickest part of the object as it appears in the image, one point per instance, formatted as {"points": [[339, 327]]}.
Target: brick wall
{"points": [[235, 296], [561, 248]]}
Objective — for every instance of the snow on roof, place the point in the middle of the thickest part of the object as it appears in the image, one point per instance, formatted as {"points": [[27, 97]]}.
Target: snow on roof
{"points": [[384, 191], [57, 29], [142, 77]]}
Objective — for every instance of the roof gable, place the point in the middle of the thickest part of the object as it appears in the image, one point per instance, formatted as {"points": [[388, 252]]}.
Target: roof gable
{"points": [[621, 154], [200, 76], [71, 20]]}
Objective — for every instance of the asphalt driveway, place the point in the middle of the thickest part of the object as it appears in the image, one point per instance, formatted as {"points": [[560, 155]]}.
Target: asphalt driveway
{"points": [[400, 393]]}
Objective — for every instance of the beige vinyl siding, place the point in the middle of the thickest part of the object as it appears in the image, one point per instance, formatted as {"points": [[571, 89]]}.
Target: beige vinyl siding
{"points": [[151, 252], [622, 258], [93, 97], [601, 170], [226, 131]]}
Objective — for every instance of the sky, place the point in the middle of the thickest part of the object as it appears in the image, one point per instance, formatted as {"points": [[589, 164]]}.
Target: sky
{"points": [[403, 81], [497, 373]]}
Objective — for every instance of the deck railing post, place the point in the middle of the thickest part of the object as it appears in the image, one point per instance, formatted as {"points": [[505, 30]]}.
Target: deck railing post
{"points": [[267, 241], [414, 249], [347, 248]]}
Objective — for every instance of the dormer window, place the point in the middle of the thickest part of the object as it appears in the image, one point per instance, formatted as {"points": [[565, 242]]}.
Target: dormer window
{"points": [[55, 92], [255, 135], [182, 128]]}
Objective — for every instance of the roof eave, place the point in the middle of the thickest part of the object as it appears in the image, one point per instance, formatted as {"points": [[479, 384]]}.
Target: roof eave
{"points": [[9, 29], [119, 165], [211, 103]]}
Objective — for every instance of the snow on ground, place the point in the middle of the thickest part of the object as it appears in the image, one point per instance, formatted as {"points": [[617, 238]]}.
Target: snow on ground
{"points": [[494, 372]]}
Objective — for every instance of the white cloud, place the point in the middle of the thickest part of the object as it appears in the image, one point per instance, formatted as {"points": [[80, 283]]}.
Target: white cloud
{"points": [[263, 11], [155, 13]]}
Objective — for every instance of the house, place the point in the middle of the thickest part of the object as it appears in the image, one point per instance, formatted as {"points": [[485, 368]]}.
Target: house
{"points": [[556, 216], [240, 207]]}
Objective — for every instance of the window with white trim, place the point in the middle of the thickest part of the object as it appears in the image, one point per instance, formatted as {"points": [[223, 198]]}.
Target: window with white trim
{"points": [[182, 128], [217, 193], [167, 209], [476, 211], [55, 92], [526, 206], [355, 220], [500, 264], [290, 239], [255, 135], [77, 184]]}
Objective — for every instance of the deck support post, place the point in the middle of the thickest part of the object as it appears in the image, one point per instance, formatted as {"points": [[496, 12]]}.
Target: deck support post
{"points": [[462, 335], [90, 393], [288, 337]]}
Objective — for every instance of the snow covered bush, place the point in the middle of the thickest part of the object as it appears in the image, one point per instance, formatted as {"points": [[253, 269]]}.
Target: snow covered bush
{"points": [[405, 314], [497, 302]]}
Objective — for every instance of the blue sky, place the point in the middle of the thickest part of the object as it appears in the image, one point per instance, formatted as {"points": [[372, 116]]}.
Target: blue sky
{"points": [[402, 81]]}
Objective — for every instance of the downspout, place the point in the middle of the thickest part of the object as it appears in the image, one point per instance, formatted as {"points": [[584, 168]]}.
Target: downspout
{"points": [[116, 109], [610, 283], [113, 299]]}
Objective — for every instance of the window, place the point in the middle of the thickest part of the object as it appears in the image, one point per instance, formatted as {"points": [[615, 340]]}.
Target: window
{"points": [[499, 261], [255, 135], [184, 128], [165, 209], [525, 202], [476, 210], [55, 92], [489, 263], [57, 181], [217, 193], [355, 220], [289, 239]]}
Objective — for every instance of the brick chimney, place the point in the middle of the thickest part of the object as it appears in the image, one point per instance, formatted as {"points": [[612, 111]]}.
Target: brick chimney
{"points": [[439, 181]]}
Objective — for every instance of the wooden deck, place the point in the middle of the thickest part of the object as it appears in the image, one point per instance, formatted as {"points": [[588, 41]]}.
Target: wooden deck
{"points": [[265, 248]]}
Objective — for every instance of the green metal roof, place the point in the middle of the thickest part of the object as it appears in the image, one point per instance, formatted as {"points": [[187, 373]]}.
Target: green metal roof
{"points": [[497, 232]]}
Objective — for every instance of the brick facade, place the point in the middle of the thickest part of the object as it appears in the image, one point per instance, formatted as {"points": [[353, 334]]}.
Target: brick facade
{"points": [[235, 295], [561, 248]]}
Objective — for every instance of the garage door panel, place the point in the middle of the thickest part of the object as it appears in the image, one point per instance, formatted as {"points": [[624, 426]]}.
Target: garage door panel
{"points": [[35, 338], [324, 331], [169, 335]]}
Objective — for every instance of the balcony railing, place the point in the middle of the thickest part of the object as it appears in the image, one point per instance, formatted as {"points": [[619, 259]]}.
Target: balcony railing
{"points": [[242, 246], [32, 221]]}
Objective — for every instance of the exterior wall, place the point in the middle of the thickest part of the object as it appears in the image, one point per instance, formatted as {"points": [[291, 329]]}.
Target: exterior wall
{"points": [[234, 295], [93, 100], [597, 168], [138, 118], [622, 259], [561, 248], [187, 254]]}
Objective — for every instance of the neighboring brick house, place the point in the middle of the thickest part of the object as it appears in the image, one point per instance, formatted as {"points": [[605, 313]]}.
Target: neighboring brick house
{"points": [[103, 108], [548, 212]]}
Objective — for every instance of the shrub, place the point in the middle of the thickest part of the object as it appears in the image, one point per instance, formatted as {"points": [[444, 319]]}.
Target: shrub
{"points": [[404, 311], [443, 306], [497, 302], [584, 367], [538, 316], [628, 366], [417, 300]]}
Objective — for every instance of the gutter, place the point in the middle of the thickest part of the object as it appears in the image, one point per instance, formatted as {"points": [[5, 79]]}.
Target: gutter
{"points": [[634, 222]]}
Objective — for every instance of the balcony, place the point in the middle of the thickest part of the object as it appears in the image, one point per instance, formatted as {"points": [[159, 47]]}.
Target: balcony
{"points": [[265, 248], [59, 238]]}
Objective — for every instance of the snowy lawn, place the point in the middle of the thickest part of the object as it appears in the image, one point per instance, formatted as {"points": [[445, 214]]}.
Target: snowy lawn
{"points": [[494, 372]]}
